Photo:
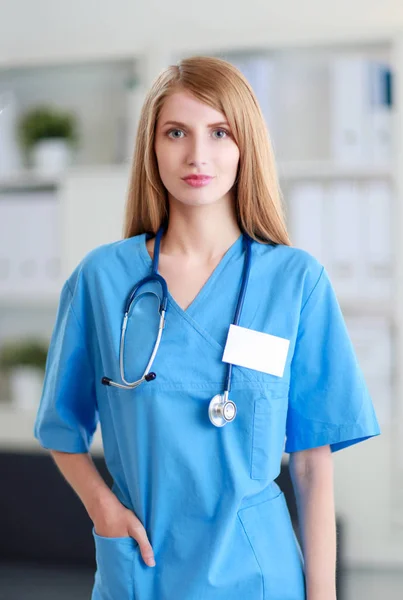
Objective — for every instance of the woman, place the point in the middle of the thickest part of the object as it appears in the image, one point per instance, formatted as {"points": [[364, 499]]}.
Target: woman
{"points": [[194, 449]]}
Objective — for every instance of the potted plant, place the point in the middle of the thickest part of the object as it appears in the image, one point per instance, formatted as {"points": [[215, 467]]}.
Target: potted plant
{"points": [[48, 134], [24, 362]]}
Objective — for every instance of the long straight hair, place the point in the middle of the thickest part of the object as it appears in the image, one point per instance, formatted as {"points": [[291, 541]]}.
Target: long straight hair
{"points": [[219, 84]]}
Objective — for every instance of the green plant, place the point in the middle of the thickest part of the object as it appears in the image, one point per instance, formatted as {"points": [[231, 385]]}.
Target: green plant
{"points": [[44, 122], [30, 352]]}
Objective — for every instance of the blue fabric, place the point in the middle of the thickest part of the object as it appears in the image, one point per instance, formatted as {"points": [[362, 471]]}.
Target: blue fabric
{"points": [[218, 524]]}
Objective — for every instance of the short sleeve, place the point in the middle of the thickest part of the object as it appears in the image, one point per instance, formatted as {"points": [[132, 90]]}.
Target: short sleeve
{"points": [[329, 402], [67, 416]]}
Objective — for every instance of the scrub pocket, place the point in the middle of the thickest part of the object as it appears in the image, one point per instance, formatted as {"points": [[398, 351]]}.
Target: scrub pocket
{"points": [[271, 535], [268, 435], [115, 566]]}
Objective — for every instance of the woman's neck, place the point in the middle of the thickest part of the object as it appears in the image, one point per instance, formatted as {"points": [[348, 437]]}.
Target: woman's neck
{"points": [[201, 234]]}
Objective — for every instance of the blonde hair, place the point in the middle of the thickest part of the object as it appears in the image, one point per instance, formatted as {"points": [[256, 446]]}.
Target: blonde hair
{"points": [[219, 84]]}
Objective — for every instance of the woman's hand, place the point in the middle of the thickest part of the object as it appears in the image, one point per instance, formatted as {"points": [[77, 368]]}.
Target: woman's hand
{"points": [[110, 517], [115, 520]]}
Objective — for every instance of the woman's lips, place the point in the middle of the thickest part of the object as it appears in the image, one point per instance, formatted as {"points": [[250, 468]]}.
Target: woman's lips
{"points": [[198, 181]]}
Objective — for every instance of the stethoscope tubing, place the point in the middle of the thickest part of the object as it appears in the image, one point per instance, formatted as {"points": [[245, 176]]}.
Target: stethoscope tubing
{"points": [[240, 303], [163, 306]]}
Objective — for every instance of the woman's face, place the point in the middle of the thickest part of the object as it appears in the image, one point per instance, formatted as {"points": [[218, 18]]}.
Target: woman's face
{"points": [[191, 138]]}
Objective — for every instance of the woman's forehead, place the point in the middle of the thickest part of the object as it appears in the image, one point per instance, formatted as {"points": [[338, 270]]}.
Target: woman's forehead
{"points": [[182, 106]]}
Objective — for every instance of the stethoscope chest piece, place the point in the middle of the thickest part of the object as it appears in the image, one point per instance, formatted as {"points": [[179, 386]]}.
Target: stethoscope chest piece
{"points": [[221, 411]]}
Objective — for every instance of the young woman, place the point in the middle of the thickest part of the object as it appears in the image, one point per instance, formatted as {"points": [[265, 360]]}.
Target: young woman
{"points": [[206, 346]]}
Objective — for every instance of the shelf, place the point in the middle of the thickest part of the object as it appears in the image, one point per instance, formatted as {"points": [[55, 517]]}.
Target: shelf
{"points": [[366, 307], [28, 180], [30, 300], [297, 170], [16, 431]]}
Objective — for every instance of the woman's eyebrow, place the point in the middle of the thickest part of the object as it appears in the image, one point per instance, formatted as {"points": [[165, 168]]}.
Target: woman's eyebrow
{"points": [[180, 124]]}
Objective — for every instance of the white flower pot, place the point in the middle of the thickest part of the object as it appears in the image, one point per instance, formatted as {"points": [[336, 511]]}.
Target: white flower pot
{"points": [[26, 387], [51, 156]]}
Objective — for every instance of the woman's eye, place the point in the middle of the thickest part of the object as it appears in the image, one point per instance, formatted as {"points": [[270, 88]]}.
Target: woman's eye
{"points": [[224, 131], [174, 131]]}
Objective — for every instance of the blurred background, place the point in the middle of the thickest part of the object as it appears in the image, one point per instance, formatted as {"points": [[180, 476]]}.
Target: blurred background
{"points": [[73, 76]]}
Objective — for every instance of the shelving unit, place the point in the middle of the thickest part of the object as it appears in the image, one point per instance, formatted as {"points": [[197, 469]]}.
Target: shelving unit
{"points": [[299, 127], [94, 91], [328, 170]]}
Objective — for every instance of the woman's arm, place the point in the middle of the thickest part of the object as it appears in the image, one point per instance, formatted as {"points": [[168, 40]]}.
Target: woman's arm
{"points": [[312, 477], [110, 517]]}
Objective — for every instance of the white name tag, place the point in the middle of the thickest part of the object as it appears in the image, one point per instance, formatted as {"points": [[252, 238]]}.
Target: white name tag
{"points": [[256, 350]]}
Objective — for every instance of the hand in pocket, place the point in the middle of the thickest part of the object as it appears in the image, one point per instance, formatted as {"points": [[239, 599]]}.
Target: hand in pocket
{"points": [[114, 520]]}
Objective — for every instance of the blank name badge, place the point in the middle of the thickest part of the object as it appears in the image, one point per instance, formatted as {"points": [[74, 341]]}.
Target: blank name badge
{"points": [[256, 350]]}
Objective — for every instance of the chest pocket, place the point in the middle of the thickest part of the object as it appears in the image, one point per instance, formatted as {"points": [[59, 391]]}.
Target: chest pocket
{"points": [[268, 431]]}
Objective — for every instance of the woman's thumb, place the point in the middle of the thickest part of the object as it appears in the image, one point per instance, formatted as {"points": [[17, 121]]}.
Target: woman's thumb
{"points": [[137, 531]]}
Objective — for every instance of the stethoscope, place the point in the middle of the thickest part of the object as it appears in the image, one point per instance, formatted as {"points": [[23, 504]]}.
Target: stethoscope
{"points": [[221, 410]]}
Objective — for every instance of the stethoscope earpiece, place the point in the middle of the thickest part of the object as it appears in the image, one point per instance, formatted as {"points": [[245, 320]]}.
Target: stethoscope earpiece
{"points": [[107, 381]]}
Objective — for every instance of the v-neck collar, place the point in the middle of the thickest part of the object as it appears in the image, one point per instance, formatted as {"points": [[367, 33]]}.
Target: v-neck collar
{"points": [[235, 249]]}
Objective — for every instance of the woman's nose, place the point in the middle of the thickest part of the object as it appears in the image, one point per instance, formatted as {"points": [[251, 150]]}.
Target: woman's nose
{"points": [[197, 154]]}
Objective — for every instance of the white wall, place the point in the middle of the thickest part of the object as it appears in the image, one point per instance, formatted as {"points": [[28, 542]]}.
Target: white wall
{"points": [[51, 29]]}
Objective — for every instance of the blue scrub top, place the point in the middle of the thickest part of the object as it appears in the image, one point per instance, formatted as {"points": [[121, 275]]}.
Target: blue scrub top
{"points": [[217, 522]]}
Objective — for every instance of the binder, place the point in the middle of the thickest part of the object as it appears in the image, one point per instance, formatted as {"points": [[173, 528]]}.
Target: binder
{"points": [[349, 109], [380, 129], [45, 213], [306, 218], [344, 239], [30, 244], [378, 252]]}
